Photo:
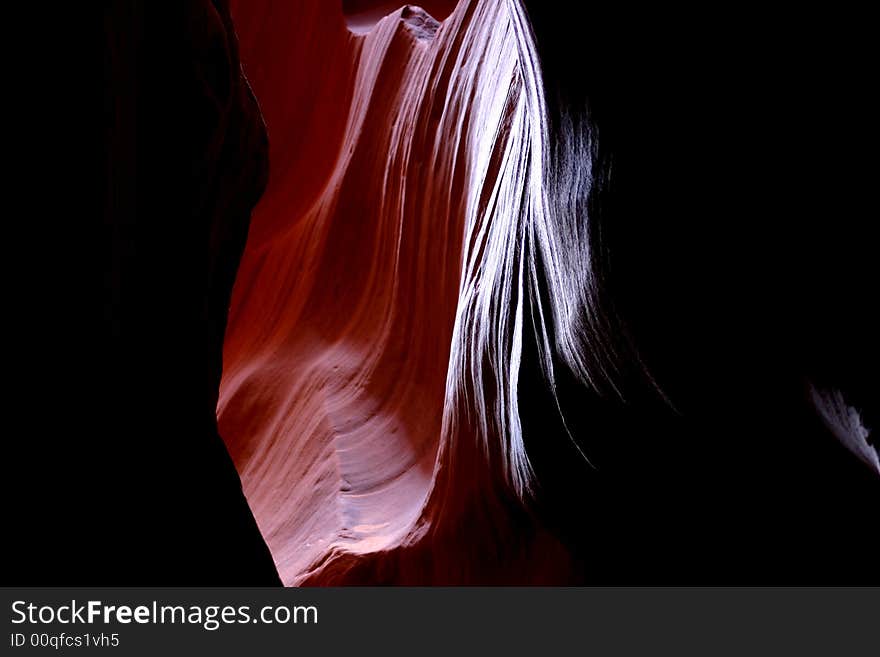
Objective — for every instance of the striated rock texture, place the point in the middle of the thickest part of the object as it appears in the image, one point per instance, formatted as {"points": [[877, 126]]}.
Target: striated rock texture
{"points": [[472, 339], [529, 296], [355, 400]]}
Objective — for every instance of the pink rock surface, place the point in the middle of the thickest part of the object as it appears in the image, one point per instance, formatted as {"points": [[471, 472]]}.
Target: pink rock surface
{"points": [[346, 400]]}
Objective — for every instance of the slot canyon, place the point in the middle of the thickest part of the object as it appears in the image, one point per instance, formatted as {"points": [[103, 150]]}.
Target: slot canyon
{"points": [[485, 292]]}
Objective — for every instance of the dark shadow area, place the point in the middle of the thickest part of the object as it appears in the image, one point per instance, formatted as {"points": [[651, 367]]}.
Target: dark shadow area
{"points": [[118, 474], [738, 251]]}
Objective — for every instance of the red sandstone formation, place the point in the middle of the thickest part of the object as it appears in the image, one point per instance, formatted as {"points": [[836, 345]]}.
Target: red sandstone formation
{"points": [[428, 261], [481, 231], [341, 403]]}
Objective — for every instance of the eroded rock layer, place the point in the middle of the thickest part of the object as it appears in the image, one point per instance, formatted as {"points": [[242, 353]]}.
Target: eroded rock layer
{"points": [[425, 296], [338, 402]]}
